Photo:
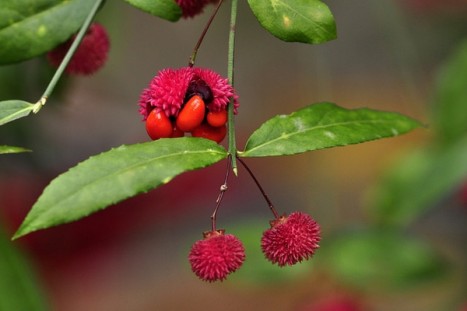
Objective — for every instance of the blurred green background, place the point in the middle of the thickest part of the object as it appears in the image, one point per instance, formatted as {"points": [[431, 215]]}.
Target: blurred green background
{"points": [[393, 212]]}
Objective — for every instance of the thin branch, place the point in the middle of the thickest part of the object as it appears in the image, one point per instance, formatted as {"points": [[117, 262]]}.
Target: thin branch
{"points": [[223, 189], [191, 63]]}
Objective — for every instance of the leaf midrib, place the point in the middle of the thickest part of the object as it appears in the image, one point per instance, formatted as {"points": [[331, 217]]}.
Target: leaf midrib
{"points": [[286, 136], [12, 116], [4, 149], [65, 197], [116, 173]]}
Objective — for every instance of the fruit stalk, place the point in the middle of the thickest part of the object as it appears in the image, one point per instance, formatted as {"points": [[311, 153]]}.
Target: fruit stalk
{"points": [[192, 60], [265, 196], [223, 189]]}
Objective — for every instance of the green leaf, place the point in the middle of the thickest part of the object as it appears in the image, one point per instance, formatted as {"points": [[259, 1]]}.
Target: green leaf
{"points": [[11, 110], [449, 114], [11, 149], [307, 21], [19, 289], [376, 259], [29, 28], [419, 182], [324, 125], [166, 9], [115, 175]]}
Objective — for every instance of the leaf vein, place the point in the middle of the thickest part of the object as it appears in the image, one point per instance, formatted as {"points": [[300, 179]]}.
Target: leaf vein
{"points": [[286, 136], [122, 171]]}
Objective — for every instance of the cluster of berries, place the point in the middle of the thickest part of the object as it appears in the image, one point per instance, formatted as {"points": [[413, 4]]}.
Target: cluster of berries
{"points": [[290, 239], [187, 100], [190, 119], [195, 100], [177, 101]]}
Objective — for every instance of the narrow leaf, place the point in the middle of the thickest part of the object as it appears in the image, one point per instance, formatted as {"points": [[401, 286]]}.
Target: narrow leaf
{"points": [[29, 28], [166, 9], [307, 21], [379, 259], [450, 105], [324, 125], [12, 149], [419, 182], [11, 110], [115, 175], [19, 289]]}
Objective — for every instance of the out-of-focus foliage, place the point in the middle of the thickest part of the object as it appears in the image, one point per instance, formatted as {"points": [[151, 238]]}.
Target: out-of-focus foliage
{"points": [[18, 286], [427, 174], [29, 28], [386, 259]]}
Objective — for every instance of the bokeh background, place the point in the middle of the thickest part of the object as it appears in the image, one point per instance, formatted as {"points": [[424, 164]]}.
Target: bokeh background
{"points": [[133, 256]]}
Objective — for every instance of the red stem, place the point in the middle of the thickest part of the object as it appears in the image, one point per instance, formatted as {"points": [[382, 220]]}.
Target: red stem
{"points": [[191, 63]]}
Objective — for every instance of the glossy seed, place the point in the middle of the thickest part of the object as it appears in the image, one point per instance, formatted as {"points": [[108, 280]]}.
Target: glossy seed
{"points": [[158, 125], [192, 114], [217, 119], [205, 130]]}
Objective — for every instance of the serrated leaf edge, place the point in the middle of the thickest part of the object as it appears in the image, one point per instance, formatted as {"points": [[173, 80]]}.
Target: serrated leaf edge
{"points": [[24, 225]]}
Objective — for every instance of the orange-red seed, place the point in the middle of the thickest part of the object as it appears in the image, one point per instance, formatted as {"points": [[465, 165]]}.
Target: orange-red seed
{"points": [[192, 114], [217, 119], [158, 125], [205, 130]]}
